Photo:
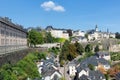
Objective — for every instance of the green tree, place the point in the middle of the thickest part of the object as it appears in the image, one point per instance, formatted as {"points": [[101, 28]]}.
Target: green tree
{"points": [[91, 67], [97, 48], [49, 38], [35, 38], [64, 51], [88, 48], [71, 52], [79, 48], [117, 35], [68, 51], [86, 36]]}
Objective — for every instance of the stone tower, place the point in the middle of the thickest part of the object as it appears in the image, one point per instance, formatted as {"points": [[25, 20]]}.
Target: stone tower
{"points": [[96, 28]]}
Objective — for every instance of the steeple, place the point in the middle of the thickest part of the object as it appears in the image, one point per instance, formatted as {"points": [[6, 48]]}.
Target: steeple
{"points": [[96, 28], [107, 30]]}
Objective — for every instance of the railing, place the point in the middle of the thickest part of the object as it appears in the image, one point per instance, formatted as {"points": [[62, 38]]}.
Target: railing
{"points": [[11, 48]]}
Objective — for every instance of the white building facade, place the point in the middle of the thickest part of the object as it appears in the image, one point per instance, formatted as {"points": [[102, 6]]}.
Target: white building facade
{"points": [[58, 33]]}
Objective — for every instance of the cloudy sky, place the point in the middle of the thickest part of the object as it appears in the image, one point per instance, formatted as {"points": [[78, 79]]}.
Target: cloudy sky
{"points": [[73, 14]]}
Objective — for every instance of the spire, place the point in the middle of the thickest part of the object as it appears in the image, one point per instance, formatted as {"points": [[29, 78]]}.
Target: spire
{"points": [[96, 28], [107, 30]]}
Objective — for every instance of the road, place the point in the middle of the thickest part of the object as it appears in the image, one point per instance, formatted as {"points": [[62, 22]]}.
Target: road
{"points": [[64, 70]]}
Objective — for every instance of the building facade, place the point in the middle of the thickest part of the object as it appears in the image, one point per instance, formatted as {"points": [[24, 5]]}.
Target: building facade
{"points": [[78, 33], [12, 36], [57, 33], [95, 34]]}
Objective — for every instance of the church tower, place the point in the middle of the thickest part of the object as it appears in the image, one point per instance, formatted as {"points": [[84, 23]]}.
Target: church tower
{"points": [[96, 28]]}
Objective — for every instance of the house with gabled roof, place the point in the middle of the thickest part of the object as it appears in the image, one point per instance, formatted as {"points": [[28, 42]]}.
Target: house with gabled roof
{"points": [[58, 33], [105, 55]]}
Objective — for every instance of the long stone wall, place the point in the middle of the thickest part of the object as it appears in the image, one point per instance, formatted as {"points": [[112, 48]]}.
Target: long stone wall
{"points": [[18, 55]]}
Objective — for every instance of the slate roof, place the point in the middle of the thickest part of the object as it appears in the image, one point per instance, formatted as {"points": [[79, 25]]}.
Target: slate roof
{"points": [[117, 76], [92, 60], [74, 62], [8, 21], [102, 53], [83, 77], [95, 75], [50, 27]]}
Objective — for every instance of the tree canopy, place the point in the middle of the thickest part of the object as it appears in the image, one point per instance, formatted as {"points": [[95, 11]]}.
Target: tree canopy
{"points": [[97, 48], [88, 48], [79, 48], [35, 37]]}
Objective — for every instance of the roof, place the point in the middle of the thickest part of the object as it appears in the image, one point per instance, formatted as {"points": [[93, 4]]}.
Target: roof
{"points": [[50, 27], [117, 76], [103, 53], [96, 75], [93, 75], [91, 60], [8, 21], [48, 71], [74, 63], [83, 77], [80, 69]]}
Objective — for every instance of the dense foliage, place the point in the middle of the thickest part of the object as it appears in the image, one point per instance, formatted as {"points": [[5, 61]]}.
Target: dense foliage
{"points": [[114, 70], [88, 48], [34, 38], [39, 37], [25, 68], [117, 35], [79, 48], [97, 49], [70, 51], [54, 50], [115, 56]]}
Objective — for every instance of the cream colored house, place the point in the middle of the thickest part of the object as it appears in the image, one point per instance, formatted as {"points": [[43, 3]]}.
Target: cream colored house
{"points": [[78, 33], [57, 33]]}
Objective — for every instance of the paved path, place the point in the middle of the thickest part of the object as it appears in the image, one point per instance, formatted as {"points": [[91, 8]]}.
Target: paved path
{"points": [[64, 70]]}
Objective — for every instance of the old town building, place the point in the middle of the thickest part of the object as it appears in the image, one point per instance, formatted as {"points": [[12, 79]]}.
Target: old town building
{"points": [[12, 36]]}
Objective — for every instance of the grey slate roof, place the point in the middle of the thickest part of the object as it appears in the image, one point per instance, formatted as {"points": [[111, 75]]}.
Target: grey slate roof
{"points": [[92, 60], [74, 62], [117, 76], [93, 75], [96, 75], [8, 21], [83, 77], [102, 53]]}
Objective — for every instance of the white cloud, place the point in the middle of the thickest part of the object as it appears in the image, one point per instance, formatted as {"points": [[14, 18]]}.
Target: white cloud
{"points": [[50, 5]]}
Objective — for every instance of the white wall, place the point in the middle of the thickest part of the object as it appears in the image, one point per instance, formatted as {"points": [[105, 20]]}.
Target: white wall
{"points": [[72, 70], [83, 72]]}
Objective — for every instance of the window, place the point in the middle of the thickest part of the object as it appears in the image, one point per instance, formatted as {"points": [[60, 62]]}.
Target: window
{"points": [[2, 32], [2, 41]]}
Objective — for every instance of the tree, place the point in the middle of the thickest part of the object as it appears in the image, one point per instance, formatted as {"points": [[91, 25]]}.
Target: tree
{"points": [[64, 51], [91, 67], [49, 38], [86, 36], [71, 52], [97, 48], [69, 31], [68, 51], [60, 40], [88, 48], [117, 35], [79, 48], [35, 37]]}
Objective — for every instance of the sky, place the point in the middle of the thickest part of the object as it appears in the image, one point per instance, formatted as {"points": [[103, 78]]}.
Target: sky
{"points": [[68, 14]]}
